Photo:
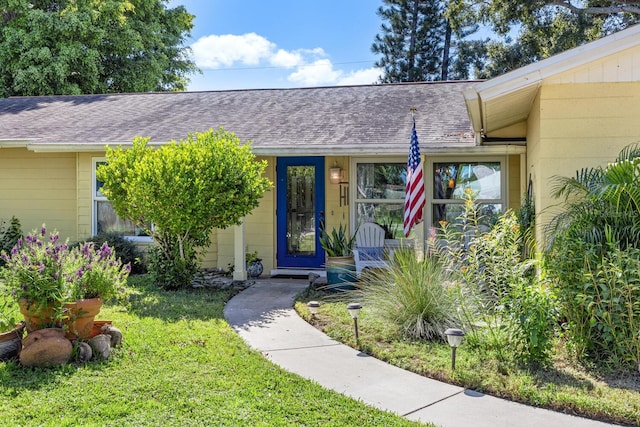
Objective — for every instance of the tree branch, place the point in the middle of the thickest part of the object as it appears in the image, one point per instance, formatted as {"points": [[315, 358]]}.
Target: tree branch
{"points": [[632, 6]]}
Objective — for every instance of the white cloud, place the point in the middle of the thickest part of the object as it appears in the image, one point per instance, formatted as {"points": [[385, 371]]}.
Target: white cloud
{"points": [[317, 73], [225, 50], [283, 58], [308, 67], [361, 77]]}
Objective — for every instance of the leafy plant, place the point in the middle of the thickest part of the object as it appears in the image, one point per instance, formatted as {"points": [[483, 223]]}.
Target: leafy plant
{"points": [[35, 270], [418, 296], [96, 272], [9, 235], [597, 198], [9, 315], [185, 189], [533, 317], [46, 274], [124, 249], [338, 242]]}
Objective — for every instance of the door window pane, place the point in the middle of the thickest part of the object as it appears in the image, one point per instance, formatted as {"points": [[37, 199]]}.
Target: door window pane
{"points": [[301, 236]]}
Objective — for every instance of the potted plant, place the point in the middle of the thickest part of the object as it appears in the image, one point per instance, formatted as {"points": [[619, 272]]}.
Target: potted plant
{"points": [[94, 275], [254, 264], [340, 263], [33, 274], [51, 283]]}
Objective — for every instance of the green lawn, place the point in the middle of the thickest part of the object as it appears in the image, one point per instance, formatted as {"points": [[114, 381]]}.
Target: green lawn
{"points": [[564, 387], [180, 364]]}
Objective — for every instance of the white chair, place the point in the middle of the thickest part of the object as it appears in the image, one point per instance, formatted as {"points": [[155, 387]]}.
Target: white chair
{"points": [[370, 251]]}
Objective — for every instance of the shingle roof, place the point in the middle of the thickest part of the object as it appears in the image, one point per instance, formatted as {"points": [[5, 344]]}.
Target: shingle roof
{"points": [[343, 119]]}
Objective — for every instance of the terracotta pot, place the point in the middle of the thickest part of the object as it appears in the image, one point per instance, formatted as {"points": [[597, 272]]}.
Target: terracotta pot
{"points": [[11, 342], [81, 316], [36, 317], [97, 327]]}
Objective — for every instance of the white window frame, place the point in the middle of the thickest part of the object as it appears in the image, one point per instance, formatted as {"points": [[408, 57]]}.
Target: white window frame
{"points": [[353, 179], [95, 198], [429, 181]]}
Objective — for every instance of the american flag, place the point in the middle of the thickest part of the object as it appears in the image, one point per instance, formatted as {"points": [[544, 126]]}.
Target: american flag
{"points": [[414, 199]]}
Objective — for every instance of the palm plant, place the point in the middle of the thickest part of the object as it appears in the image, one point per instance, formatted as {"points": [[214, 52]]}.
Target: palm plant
{"points": [[600, 198]]}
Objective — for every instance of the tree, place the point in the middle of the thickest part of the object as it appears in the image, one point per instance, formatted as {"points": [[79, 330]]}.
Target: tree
{"points": [[421, 40], [544, 27], [184, 189], [52, 47]]}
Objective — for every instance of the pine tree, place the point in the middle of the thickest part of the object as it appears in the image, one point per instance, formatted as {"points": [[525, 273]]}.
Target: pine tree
{"points": [[420, 42]]}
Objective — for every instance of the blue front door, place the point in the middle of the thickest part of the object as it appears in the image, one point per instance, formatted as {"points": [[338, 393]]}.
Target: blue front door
{"points": [[300, 192]]}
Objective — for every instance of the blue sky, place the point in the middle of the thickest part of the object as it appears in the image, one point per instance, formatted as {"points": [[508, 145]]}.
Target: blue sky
{"points": [[252, 44]]}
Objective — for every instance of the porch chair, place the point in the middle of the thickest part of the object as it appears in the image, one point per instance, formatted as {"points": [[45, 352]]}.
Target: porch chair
{"points": [[369, 251]]}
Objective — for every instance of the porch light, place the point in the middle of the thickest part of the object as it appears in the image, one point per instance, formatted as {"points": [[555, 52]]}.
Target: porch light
{"points": [[454, 338], [313, 307], [354, 310], [335, 174]]}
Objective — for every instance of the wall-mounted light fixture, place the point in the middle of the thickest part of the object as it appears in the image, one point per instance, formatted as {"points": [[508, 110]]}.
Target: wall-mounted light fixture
{"points": [[335, 174]]}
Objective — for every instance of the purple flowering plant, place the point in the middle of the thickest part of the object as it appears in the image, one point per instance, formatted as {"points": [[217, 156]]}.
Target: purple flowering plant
{"points": [[95, 272], [33, 269], [44, 271]]}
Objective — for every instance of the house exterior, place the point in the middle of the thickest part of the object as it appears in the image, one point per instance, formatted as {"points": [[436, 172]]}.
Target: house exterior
{"points": [[574, 110], [50, 147]]}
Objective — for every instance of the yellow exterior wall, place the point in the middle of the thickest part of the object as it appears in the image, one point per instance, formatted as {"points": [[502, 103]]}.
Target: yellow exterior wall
{"points": [[39, 188], [260, 229], [334, 213], [513, 182], [573, 126]]}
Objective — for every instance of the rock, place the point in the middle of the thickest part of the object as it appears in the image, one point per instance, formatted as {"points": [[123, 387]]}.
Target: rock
{"points": [[114, 333], [84, 352], [45, 347], [101, 346]]}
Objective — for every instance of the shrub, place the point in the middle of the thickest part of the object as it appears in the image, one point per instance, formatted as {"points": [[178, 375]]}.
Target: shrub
{"points": [[416, 295], [599, 294], [124, 249], [533, 319], [170, 271], [9, 235]]}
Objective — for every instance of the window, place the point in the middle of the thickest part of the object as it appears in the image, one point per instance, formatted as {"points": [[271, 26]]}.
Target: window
{"points": [[104, 217], [452, 179], [379, 195]]}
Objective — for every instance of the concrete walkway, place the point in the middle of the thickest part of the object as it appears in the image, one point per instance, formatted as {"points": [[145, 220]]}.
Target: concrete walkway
{"points": [[263, 316]]}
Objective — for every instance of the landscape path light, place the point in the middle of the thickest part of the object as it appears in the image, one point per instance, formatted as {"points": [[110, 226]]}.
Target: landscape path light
{"points": [[354, 310], [454, 337], [313, 307]]}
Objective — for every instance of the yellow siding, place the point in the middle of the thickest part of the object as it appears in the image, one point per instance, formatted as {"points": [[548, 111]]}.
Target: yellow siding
{"points": [[39, 188], [85, 176], [576, 126], [513, 183], [259, 230], [334, 213]]}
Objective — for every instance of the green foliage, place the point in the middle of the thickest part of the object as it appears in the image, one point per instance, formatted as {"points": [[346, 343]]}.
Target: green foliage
{"points": [[9, 236], [597, 199], [599, 295], [419, 42], [44, 272], [185, 189], [533, 318], [418, 296], [169, 269], [338, 242], [124, 249], [96, 272], [504, 309], [73, 47], [9, 314]]}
